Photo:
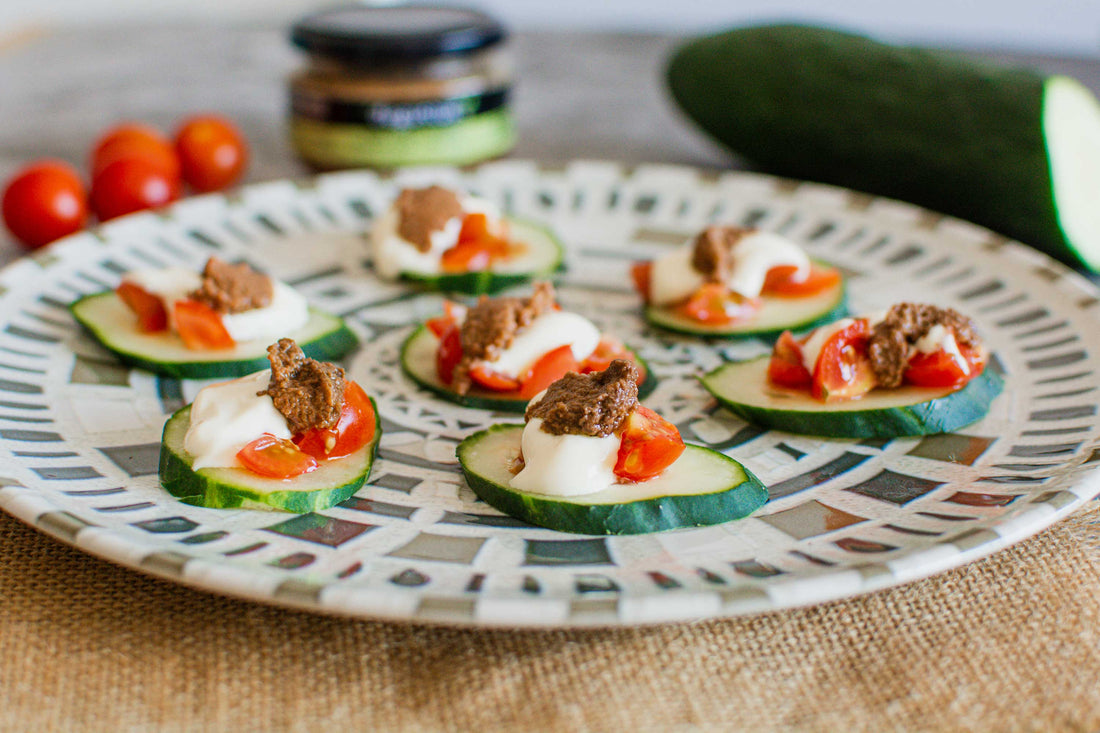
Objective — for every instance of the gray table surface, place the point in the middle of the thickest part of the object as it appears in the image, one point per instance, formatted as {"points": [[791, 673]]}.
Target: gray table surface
{"points": [[578, 95]]}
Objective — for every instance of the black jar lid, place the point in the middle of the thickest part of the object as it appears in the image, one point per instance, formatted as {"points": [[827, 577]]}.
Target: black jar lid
{"points": [[394, 32]]}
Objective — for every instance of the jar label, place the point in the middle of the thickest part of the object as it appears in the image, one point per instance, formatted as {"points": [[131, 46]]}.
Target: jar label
{"points": [[397, 115]]}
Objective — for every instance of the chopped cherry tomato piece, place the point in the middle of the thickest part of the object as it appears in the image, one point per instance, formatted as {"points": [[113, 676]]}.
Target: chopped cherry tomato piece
{"points": [[275, 458], [607, 351], [495, 381], [650, 444], [843, 369], [354, 429], [149, 309], [642, 273], [200, 326], [477, 247], [781, 281], [941, 369], [786, 368], [551, 367], [448, 354], [716, 304]]}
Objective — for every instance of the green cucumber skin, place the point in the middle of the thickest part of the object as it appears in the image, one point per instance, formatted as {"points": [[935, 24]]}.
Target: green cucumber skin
{"points": [[499, 404], [942, 415], [937, 129], [488, 282], [191, 487], [639, 517], [838, 312], [333, 345]]}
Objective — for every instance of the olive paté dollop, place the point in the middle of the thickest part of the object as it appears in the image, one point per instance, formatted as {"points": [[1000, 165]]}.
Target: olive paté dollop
{"points": [[712, 256], [421, 211], [491, 326], [230, 288], [309, 393], [594, 404], [903, 326]]}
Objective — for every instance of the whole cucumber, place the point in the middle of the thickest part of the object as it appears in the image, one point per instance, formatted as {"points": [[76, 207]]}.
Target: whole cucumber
{"points": [[1011, 149]]}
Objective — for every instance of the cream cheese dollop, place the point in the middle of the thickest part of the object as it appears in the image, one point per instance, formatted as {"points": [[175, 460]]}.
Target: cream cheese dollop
{"points": [[673, 279], [565, 465], [393, 254], [228, 416]]}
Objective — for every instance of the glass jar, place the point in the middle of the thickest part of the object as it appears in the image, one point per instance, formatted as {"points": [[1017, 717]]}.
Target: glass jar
{"points": [[401, 85]]}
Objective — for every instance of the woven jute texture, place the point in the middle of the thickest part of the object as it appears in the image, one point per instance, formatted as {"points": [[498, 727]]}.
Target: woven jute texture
{"points": [[1008, 643]]}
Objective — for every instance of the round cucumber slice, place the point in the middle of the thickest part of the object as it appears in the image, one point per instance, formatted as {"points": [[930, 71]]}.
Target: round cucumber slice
{"points": [[543, 257], [324, 337], [701, 488], [775, 316], [238, 488], [418, 363], [742, 388]]}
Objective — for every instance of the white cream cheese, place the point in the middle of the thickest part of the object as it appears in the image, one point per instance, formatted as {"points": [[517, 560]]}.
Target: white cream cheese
{"points": [[287, 312], [565, 465], [673, 279], [549, 331], [228, 416], [393, 254]]}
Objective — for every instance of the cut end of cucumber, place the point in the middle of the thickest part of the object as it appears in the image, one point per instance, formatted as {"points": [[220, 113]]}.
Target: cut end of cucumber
{"points": [[238, 488], [324, 337], [742, 388], [1071, 125], [775, 316], [703, 487], [542, 258], [418, 363]]}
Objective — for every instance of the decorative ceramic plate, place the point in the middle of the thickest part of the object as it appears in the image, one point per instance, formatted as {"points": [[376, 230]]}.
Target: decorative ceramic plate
{"points": [[79, 434]]}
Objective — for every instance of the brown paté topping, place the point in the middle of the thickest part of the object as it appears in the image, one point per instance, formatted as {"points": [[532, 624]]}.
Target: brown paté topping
{"points": [[904, 325], [491, 326], [588, 404], [309, 393], [713, 253], [230, 288], [421, 211]]}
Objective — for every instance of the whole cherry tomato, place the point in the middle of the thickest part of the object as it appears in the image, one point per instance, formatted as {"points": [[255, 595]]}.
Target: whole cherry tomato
{"points": [[133, 140], [212, 152], [45, 201], [131, 184]]}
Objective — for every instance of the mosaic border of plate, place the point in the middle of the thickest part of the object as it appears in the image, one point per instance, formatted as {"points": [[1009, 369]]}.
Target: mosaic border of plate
{"points": [[79, 433]]}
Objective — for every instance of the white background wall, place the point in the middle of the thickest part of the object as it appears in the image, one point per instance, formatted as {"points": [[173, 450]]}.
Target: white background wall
{"points": [[1052, 26]]}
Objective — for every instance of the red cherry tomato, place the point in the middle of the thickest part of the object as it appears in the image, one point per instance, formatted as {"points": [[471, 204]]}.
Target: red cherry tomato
{"points": [[43, 202], [642, 273], [200, 327], [843, 369], [448, 354], [131, 184], [650, 444], [780, 281], [940, 369], [149, 309], [212, 153], [275, 458], [715, 304], [551, 367], [354, 429], [133, 140], [786, 368], [491, 380]]}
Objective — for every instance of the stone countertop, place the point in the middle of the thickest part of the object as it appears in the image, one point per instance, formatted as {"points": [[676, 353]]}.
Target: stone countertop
{"points": [[578, 95]]}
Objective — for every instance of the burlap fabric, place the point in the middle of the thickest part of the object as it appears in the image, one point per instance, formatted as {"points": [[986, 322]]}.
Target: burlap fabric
{"points": [[1007, 643]]}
